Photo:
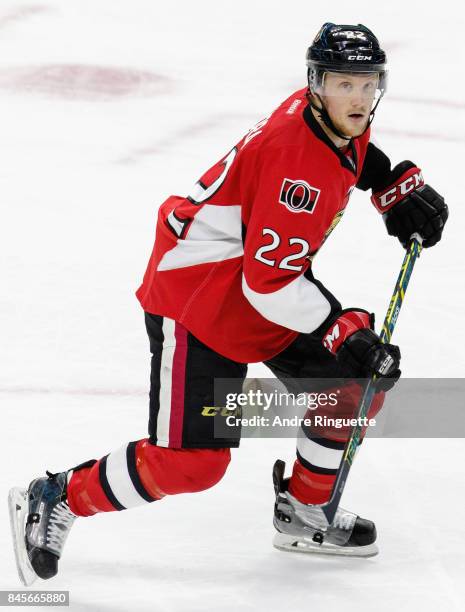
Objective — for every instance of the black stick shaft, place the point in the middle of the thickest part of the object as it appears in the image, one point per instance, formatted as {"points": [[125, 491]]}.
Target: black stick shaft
{"points": [[330, 508]]}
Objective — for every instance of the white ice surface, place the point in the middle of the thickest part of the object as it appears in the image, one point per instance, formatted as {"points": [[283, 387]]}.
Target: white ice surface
{"points": [[106, 108]]}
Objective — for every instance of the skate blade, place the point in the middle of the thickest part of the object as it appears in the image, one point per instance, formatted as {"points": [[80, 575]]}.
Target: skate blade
{"points": [[19, 506], [289, 543]]}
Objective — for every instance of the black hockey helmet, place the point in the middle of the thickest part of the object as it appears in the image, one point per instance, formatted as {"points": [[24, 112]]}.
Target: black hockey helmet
{"points": [[347, 49]]}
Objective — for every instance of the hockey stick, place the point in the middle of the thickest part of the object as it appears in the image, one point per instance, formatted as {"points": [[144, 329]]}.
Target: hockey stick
{"points": [[413, 251]]}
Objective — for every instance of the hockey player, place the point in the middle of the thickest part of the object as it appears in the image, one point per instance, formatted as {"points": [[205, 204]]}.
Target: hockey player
{"points": [[230, 282]]}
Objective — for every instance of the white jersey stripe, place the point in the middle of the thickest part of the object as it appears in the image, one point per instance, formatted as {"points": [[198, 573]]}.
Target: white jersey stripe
{"points": [[215, 234], [299, 305]]}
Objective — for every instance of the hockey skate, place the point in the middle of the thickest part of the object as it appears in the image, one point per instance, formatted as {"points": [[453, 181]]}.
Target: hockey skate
{"points": [[40, 522], [304, 528]]}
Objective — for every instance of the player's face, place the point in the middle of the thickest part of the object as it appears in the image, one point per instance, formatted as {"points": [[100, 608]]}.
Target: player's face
{"points": [[349, 99]]}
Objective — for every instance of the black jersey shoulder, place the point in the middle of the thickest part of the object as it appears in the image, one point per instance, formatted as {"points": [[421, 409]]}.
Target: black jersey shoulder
{"points": [[376, 169]]}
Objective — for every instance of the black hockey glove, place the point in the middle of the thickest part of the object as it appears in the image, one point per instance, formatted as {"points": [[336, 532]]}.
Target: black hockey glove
{"points": [[409, 206], [359, 350]]}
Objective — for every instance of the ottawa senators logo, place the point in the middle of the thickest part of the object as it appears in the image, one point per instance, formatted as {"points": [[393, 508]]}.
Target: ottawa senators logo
{"points": [[298, 196]]}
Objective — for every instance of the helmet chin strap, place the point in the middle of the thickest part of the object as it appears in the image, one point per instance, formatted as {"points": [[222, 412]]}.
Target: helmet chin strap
{"points": [[324, 115]]}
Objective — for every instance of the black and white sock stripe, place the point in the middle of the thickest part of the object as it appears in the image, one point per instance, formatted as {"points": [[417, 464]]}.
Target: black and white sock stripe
{"points": [[120, 480], [319, 455]]}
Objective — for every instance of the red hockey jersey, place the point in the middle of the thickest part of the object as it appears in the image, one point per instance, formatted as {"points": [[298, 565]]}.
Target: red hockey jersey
{"points": [[231, 261]]}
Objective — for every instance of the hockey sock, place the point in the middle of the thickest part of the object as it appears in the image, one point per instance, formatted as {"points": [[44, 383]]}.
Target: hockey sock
{"points": [[139, 473], [320, 449], [310, 487]]}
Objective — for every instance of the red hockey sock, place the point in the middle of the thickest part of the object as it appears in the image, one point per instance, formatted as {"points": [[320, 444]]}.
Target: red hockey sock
{"points": [[309, 487], [319, 453], [139, 473]]}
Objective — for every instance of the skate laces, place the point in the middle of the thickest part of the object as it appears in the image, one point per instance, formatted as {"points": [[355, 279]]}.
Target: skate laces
{"points": [[342, 520], [61, 520]]}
